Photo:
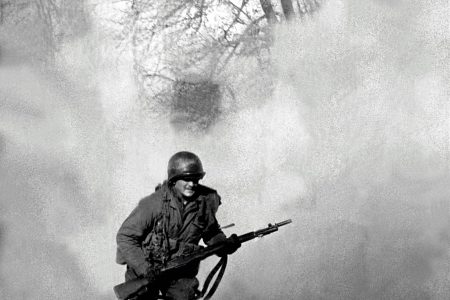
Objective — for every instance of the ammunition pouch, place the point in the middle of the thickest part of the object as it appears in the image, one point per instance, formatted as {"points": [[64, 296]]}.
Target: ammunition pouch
{"points": [[156, 253]]}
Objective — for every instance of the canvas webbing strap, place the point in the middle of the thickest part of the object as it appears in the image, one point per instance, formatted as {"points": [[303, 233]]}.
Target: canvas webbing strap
{"points": [[220, 267], [165, 227]]}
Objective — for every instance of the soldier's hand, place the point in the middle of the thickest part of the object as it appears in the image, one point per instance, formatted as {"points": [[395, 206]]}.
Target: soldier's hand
{"points": [[231, 245], [151, 273]]}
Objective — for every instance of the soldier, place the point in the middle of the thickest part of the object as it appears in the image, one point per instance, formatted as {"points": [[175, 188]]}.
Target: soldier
{"points": [[169, 223]]}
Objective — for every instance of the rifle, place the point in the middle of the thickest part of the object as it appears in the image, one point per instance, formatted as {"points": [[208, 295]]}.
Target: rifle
{"points": [[139, 286]]}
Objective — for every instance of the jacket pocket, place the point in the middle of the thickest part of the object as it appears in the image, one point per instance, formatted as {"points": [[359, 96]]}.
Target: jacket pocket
{"points": [[196, 230]]}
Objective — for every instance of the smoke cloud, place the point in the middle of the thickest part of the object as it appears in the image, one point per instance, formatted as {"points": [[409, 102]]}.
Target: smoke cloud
{"points": [[353, 144], [366, 168]]}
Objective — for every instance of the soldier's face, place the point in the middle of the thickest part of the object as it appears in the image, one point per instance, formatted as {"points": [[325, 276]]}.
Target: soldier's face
{"points": [[186, 186]]}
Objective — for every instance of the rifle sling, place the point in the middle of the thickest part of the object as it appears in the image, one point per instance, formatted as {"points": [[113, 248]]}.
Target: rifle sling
{"points": [[221, 265]]}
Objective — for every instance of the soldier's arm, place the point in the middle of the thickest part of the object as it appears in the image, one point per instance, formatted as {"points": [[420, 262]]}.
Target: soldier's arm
{"points": [[130, 236], [213, 234]]}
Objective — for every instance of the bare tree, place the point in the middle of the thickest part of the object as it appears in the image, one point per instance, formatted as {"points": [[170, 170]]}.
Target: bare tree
{"points": [[195, 41], [43, 24]]}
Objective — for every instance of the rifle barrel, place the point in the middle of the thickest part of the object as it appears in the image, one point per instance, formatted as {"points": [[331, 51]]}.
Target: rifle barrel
{"points": [[283, 223]]}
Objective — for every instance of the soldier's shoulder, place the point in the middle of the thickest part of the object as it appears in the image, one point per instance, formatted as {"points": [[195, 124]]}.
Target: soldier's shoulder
{"points": [[212, 197], [206, 190], [154, 199]]}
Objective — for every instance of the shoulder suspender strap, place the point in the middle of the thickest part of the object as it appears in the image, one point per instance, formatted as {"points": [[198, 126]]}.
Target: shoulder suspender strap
{"points": [[165, 226]]}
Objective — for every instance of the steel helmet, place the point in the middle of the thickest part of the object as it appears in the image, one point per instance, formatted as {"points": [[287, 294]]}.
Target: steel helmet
{"points": [[184, 164]]}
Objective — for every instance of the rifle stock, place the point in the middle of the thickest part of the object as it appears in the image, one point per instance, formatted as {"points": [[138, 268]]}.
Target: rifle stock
{"points": [[138, 286], [131, 288]]}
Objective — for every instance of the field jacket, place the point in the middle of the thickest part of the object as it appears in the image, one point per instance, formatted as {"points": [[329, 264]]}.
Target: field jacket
{"points": [[187, 224]]}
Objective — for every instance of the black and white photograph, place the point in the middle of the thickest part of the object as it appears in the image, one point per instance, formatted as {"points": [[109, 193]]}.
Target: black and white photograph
{"points": [[225, 149]]}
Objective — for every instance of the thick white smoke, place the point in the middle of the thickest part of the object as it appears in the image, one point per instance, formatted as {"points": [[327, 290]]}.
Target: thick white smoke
{"points": [[53, 172], [364, 169], [353, 145], [371, 85]]}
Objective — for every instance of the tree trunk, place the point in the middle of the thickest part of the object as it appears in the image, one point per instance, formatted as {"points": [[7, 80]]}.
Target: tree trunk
{"points": [[288, 9], [268, 11]]}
